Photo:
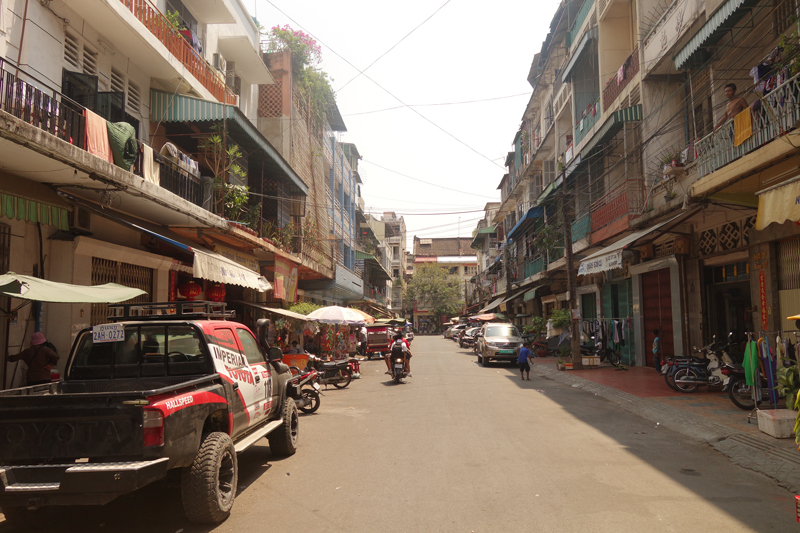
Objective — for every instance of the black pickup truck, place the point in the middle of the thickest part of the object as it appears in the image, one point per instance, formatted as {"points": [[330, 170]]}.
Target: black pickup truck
{"points": [[161, 387]]}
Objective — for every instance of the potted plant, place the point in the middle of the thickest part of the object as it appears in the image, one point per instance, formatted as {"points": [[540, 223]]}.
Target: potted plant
{"points": [[789, 385]]}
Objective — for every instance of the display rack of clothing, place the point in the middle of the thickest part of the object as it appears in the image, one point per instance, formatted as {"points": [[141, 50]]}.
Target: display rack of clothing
{"points": [[612, 332], [765, 352]]}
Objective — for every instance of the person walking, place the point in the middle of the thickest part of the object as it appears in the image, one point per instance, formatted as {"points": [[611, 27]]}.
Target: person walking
{"points": [[39, 358], [524, 360]]}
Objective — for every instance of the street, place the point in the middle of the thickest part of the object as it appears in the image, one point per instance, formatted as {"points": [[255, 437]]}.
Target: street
{"points": [[460, 447]]}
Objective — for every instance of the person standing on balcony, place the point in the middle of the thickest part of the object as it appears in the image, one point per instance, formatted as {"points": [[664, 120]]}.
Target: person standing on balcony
{"points": [[735, 105]]}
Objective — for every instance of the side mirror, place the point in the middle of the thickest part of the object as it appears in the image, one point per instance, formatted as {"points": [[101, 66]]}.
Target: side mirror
{"points": [[263, 329], [275, 355]]}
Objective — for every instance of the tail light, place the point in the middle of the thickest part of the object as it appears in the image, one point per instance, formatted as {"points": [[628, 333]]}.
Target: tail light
{"points": [[153, 427], [726, 371]]}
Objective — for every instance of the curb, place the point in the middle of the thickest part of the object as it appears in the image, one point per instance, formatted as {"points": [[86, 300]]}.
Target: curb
{"points": [[744, 450]]}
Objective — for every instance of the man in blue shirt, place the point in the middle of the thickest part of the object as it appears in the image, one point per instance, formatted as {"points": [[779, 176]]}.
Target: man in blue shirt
{"points": [[524, 361]]}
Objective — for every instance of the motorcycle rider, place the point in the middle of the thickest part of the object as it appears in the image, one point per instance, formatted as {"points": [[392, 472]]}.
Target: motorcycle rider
{"points": [[401, 344]]}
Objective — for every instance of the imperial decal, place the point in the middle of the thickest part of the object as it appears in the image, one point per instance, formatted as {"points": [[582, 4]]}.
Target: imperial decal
{"points": [[228, 357]]}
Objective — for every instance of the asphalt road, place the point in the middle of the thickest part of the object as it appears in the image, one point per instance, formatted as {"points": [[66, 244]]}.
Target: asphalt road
{"points": [[464, 448]]}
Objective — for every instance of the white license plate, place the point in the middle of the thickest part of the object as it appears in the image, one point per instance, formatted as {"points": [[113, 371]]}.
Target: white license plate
{"points": [[398, 365], [315, 385]]}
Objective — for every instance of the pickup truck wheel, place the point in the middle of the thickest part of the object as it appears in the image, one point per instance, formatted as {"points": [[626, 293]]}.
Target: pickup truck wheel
{"points": [[283, 441], [208, 486]]}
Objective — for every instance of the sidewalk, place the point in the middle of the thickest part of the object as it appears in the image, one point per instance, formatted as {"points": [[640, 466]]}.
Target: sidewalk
{"points": [[708, 416]]}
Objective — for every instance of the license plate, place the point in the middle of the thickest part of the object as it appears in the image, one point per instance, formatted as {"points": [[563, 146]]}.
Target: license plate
{"points": [[398, 366], [315, 385], [505, 351]]}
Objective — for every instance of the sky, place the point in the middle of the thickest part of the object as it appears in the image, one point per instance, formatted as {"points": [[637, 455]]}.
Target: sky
{"points": [[431, 92]]}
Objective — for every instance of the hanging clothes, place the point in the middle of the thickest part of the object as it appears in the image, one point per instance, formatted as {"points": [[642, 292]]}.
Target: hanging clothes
{"points": [[151, 170], [96, 136], [780, 351], [742, 127], [750, 362]]}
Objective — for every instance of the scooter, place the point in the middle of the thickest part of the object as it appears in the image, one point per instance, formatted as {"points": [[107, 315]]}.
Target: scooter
{"points": [[691, 374], [304, 389], [336, 373]]}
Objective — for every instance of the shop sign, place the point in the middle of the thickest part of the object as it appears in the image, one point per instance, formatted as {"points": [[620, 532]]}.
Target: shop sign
{"points": [[243, 259], [762, 286], [609, 261], [285, 280]]}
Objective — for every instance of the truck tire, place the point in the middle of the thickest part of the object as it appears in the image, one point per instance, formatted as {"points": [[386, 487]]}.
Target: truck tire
{"points": [[208, 486], [283, 441]]}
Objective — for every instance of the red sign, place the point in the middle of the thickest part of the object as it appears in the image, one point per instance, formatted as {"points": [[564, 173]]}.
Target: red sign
{"points": [[762, 285]]}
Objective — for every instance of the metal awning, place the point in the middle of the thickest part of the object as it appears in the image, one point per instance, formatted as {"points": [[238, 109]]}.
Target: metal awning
{"points": [[532, 214], [610, 257], [610, 128], [723, 20], [494, 303], [376, 265], [42, 290], [574, 59], [176, 108], [481, 234], [779, 203], [284, 312], [531, 293], [549, 190]]}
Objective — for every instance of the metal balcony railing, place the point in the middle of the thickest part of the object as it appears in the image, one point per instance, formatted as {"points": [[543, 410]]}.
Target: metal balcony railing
{"points": [[581, 228], [772, 117], [615, 86], [171, 38], [572, 34], [627, 198]]}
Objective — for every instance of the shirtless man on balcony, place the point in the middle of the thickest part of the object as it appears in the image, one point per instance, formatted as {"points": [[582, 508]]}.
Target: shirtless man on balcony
{"points": [[735, 105]]}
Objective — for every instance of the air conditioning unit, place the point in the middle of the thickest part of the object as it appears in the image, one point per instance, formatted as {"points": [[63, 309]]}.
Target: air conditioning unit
{"points": [[79, 220], [220, 64]]}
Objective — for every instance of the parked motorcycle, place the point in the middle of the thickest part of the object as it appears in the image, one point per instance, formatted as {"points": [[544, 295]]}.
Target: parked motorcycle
{"points": [[740, 393], [336, 373], [304, 389], [691, 374]]}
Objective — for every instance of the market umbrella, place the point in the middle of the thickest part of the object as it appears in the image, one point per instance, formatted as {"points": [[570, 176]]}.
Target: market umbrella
{"points": [[369, 319], [42, 290], [333, 314]]}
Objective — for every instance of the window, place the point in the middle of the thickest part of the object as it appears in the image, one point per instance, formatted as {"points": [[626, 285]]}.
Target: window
{"points": [[133, 94], [454, 270], [78, 55], [395, 273], [504, 330], [187, 19], [470, 270], [252, 350]]}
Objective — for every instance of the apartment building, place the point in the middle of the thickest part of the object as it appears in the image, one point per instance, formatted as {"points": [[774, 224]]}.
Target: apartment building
{"points": [[680, 219]]}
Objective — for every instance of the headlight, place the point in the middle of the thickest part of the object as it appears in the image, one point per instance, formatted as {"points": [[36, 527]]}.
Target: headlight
{"points": [[491, 344]]}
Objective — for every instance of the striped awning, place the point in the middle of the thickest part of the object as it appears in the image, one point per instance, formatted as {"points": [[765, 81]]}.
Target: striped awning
{"points": [[610, 128], [21, 208], [167, 107], [712, 31]]}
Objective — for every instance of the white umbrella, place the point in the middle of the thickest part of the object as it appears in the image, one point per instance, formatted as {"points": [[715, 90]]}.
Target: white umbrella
{"points": [[334, 314]]}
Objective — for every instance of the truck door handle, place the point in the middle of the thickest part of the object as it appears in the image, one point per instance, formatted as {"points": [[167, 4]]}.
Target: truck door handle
{"points": [[258, 378], [235, 386]]}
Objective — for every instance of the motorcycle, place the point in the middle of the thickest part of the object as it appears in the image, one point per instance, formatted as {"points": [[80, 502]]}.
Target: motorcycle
{"points": [[691, 374], [304, 389], [466, 341], [740, 393], [398, 369], [336, 373]]}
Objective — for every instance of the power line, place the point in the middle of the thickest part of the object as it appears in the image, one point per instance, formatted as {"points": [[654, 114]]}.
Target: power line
{"points": [[427, 182], [438, 104], [395, 45]]}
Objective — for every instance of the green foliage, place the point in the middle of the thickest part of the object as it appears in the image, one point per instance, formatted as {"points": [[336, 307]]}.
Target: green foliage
{"points": [[282, 236], [230, 201], [311, 232], [561, 318], [435, 289], [791, 47], [306, 55], [537, 328], [174, 19], [304, 308]]}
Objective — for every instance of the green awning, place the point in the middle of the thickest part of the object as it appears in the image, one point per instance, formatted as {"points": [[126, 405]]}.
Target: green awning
{"points": [[42, 290], [21, 208], [170, 108], [376, 265], [574, 59], [549, 190], [723, 20], [610, 128], [481, 234], [531, 294], [364, 255]]}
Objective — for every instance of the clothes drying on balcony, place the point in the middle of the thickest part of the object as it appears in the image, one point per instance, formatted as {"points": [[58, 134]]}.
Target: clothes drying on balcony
{"points": [[170, 151], [122, 140], [151, 171], [742, 127], [96, 136], [193, 41]]}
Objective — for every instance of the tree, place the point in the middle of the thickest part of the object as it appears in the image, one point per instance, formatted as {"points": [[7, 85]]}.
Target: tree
{"points": [[433, 288]]}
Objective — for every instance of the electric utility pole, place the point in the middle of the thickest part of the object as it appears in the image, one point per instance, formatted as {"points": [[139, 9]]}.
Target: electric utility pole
{"points": [[566, 207]]}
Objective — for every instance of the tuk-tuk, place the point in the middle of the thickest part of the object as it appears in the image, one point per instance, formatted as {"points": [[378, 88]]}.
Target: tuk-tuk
{"points": [[380, 335]]}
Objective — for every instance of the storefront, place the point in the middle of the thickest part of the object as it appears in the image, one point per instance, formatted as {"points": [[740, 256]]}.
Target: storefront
{"points": [[656, 305]]}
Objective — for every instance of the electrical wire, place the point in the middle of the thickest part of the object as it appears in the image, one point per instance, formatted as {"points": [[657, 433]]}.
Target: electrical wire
{"points": [[438, 104]]}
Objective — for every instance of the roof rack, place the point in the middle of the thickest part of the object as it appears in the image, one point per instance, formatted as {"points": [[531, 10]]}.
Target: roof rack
{"points": [[170, 311]]}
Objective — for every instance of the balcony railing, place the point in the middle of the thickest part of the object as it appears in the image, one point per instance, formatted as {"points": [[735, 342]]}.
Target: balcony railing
{"points": [[534, 266], [615, 85], [581, 228], [625, 199], [777, 113], [159, 26], [586, 8], [585, 124], [58, 115]]}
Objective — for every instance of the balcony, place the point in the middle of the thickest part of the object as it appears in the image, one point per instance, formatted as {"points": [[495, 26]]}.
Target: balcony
{"points": [[123, 23], [573, 34], [59, 116], [534, 266], [584, 125], [611, 213], [615, 86], [581, 228], [778, 113]]}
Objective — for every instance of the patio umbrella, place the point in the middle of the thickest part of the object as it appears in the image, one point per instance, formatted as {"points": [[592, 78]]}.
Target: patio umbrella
{"points": [[333, 314], [369, 319]]}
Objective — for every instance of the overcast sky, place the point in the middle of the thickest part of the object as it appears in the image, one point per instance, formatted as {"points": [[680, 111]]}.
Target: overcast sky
{"points": [[425, 150]]}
